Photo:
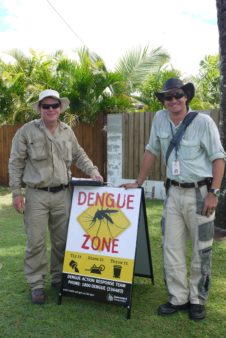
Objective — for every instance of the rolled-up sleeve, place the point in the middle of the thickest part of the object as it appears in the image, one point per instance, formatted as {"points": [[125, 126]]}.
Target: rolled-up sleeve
{"points": [[17, 162], [154, 143], [211, 141]]}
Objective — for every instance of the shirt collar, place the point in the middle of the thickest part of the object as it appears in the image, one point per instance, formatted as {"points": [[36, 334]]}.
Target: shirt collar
{"points": [[40, 124]]}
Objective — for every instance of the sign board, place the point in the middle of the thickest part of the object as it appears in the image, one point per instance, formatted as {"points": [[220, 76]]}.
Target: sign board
{"points": [[99, 261]]}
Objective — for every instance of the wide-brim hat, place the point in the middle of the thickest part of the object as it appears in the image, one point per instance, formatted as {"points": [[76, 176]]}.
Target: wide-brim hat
{"points": [[175, 83], [64, 101]]}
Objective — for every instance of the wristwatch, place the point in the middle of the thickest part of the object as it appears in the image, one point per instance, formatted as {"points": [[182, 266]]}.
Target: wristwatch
{"points": [[216, 192]]}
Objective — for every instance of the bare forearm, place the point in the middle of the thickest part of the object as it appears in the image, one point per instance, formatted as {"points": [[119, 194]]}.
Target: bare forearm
{"points": [[211, 200], [146, 165], [218, 172]]}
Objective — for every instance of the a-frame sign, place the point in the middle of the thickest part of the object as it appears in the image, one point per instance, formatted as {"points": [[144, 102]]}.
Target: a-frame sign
{"points": [[107, 244]]}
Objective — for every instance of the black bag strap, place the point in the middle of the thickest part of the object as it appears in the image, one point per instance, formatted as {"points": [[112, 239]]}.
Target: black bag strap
{"points": [[180, 132]]}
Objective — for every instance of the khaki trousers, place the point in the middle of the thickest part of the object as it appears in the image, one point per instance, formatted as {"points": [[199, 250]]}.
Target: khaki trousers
{"points": [[182, 220], [45, 209]]}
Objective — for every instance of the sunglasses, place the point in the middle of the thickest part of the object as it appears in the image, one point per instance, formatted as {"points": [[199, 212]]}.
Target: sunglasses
{"points": [[176, 96], [47, 106]]}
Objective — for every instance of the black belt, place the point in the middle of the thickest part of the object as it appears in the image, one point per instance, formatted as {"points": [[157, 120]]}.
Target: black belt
{"points": [[55, 189], [187, 185]]}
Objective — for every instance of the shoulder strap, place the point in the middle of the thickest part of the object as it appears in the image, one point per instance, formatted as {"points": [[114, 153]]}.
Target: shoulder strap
{"points": [[180, 132]]}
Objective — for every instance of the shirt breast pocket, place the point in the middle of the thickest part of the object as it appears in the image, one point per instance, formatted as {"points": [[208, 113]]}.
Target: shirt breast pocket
{"points": [[67, 151], [165, 139], [189, 150], [37, 150]]}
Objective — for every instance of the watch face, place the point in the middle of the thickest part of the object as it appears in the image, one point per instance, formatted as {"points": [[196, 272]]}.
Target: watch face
{"points": [[216, 192]]}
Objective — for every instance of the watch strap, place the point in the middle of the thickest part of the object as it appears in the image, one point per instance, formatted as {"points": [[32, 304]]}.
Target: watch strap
{"points": [[216, 192]]}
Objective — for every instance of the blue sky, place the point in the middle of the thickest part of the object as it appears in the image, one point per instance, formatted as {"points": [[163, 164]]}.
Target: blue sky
{"points": [[4, 26], [187, 29]]}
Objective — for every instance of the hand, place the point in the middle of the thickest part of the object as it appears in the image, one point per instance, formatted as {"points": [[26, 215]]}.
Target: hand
{"points": [[210, 204], [18, 203], [132, 185], [97, 177]]}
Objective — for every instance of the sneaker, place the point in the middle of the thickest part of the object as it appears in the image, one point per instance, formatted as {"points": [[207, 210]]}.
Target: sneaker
{"points": [[38, 296], [168, 308], [197, 312]]}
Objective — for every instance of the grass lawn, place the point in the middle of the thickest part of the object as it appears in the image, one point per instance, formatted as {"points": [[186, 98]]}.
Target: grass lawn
{"points": [[82, 318]]}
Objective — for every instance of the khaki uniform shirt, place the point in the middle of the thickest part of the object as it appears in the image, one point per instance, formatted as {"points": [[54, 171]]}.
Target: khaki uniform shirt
{"points": [[41, 159]]}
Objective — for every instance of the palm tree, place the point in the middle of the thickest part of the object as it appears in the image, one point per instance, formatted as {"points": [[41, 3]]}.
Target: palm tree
{"points": [[221, 16], [138, 63], [22, 80], [91, 88]]}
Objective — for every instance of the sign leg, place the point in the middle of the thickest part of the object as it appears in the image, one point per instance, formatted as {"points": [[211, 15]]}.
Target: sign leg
{"points": [[128, 316], [59, 298]]}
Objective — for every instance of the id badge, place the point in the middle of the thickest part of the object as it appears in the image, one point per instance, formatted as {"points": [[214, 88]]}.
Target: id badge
{"points": [[176, 167]]}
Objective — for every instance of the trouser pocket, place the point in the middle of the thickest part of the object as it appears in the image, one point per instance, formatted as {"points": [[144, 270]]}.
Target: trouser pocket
{"points": [[206, 232]]}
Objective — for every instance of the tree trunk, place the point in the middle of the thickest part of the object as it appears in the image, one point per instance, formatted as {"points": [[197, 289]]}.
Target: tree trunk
{"points": [[221, 17]]}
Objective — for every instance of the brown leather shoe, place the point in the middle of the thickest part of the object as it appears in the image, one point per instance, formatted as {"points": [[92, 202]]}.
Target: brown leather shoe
{"points": [[38, 296]]}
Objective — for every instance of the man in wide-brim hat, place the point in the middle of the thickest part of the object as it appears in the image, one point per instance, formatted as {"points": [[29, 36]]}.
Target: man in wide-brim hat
{"points": [[41, 157], [174, 84], [194, 171], [50, 93]]}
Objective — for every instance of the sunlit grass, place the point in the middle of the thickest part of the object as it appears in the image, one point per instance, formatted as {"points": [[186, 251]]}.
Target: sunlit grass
{"points": [[80, 318]]}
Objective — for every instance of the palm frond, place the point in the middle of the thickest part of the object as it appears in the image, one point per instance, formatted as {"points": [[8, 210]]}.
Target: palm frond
{"points": [[138, 63]]}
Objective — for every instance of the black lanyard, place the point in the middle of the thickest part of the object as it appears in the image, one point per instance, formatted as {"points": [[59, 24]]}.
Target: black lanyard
{"points": [[177, 144]]}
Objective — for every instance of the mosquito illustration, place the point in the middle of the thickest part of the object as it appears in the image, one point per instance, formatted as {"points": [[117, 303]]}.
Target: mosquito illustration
{"points": [[103, 215]]}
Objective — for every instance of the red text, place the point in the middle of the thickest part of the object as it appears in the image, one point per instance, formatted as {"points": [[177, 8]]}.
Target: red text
{"points": [[106, 200], [99, 244]]}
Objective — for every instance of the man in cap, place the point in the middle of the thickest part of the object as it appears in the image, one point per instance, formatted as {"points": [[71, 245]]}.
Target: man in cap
{"points": [[42, 153], [194, 172]]}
